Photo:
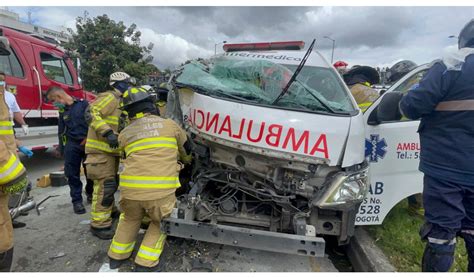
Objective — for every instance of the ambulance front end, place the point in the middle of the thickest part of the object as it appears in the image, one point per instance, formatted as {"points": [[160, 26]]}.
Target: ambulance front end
{"points": [[272, 171]]}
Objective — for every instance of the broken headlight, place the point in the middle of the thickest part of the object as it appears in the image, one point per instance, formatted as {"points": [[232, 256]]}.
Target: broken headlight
{"points": [[345, 188]]}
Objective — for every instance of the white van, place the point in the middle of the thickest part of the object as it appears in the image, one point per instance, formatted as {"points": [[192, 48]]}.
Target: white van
{"points": [[278, 166]]}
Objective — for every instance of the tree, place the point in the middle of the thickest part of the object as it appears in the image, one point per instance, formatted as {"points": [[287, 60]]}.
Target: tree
{"points": [[106, 46]]}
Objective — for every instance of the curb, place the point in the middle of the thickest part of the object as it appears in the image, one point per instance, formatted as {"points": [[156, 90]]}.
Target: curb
{"points": [[365, 256]]}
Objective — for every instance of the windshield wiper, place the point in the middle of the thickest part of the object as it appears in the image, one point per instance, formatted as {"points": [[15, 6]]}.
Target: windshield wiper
{"points": [[317, 98], [295, 74]]}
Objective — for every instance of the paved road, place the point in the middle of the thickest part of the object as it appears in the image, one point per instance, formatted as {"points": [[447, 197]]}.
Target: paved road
{"points": [[59, 240]]}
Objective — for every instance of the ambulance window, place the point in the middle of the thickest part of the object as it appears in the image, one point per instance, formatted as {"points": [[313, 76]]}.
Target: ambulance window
{"points": [[406, 85], [410, 82], [11, 65], [56, 69]]}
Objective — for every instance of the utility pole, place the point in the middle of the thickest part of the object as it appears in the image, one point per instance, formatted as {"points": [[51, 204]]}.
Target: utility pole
{"points": [[333, 46]]}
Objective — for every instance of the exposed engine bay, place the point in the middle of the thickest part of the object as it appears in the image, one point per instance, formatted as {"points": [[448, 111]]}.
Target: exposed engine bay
{"points": [[251, 190]]}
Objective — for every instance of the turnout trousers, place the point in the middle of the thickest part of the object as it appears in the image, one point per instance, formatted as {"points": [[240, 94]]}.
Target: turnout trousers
{"points": [[6, 235], [449, 212], [102, 169], [6, 229], [133, 211]]}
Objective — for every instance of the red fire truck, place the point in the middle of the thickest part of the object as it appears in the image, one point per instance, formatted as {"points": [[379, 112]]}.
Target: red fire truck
{"points": [[32, 66]]}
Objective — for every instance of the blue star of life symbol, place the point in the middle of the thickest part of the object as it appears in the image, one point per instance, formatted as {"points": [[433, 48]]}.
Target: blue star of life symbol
{"points": [[375, 148]]}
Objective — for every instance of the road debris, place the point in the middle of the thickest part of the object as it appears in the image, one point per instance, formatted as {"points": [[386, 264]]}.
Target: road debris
{"points": [[198, 265], [106, 268], [44, 200], [59, 255]]}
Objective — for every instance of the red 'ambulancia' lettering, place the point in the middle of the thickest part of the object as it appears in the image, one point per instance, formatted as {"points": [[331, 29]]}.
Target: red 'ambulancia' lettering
{"points": [[213, 122], [260, 133], [324, 149], [225, 127], [202, 119], [296, 145], [241, 130], [273, 134]]}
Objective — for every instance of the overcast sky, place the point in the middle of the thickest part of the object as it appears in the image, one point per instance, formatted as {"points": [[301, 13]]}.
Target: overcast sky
{"points": [[377, 36]]}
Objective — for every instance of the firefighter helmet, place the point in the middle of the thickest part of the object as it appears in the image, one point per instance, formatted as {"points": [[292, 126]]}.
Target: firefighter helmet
{"points": [[466, 36], [361, 74], [134, 95], [118, 76], [399, 70], [340, 64]]}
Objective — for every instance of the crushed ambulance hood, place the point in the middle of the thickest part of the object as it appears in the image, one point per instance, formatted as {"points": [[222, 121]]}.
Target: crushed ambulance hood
{"points": [[258, 127]]}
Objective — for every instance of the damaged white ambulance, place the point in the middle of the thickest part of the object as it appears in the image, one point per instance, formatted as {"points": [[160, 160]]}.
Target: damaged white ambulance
{"points": [[281, 151]]}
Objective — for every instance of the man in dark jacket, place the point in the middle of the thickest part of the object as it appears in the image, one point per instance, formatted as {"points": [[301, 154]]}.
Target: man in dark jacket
{"points": [[444, 100], [72, 132]]}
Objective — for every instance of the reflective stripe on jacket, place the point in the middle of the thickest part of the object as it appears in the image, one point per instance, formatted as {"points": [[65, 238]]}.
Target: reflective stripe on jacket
{"points": [[152, 146], [6, 127], [105, 115], [364, 95], [11, 167]]}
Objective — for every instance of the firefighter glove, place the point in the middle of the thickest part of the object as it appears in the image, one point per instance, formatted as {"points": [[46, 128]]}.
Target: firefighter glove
{"points": [[112, 139]]}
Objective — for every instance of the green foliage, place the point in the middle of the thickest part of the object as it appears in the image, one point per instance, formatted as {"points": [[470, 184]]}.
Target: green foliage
{"points": [[399, 240], [106, 46]]}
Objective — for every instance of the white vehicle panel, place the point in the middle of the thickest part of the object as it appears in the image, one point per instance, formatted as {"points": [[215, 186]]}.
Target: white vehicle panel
{"points": [[291, 132], [393, 151]]}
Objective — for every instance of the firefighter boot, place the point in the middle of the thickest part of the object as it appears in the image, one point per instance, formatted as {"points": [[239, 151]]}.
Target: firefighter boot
{"points": [[114, 264], [18, 224], [103, 233], [6, 259], [139, 268], [115, 214]]}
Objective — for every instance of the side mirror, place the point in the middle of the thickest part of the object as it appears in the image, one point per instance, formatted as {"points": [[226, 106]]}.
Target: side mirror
{"points": [[387, 109]]}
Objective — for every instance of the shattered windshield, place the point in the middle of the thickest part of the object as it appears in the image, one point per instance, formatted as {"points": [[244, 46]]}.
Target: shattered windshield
{"points": [[260, 82]]}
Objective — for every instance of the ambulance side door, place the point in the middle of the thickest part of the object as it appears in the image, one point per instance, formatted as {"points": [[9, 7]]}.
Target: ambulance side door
{"points": [[393, 151]]}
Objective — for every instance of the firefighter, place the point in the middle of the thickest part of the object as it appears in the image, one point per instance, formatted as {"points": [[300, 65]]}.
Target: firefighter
{"points": [[341, 67], [12, 179], [360, 79], [444, 100], [103, 154], [152, 146], [162, 98], [400, 69]]}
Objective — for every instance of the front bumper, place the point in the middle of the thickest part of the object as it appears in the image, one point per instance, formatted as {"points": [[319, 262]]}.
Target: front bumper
{"points": [[244, 237]]}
